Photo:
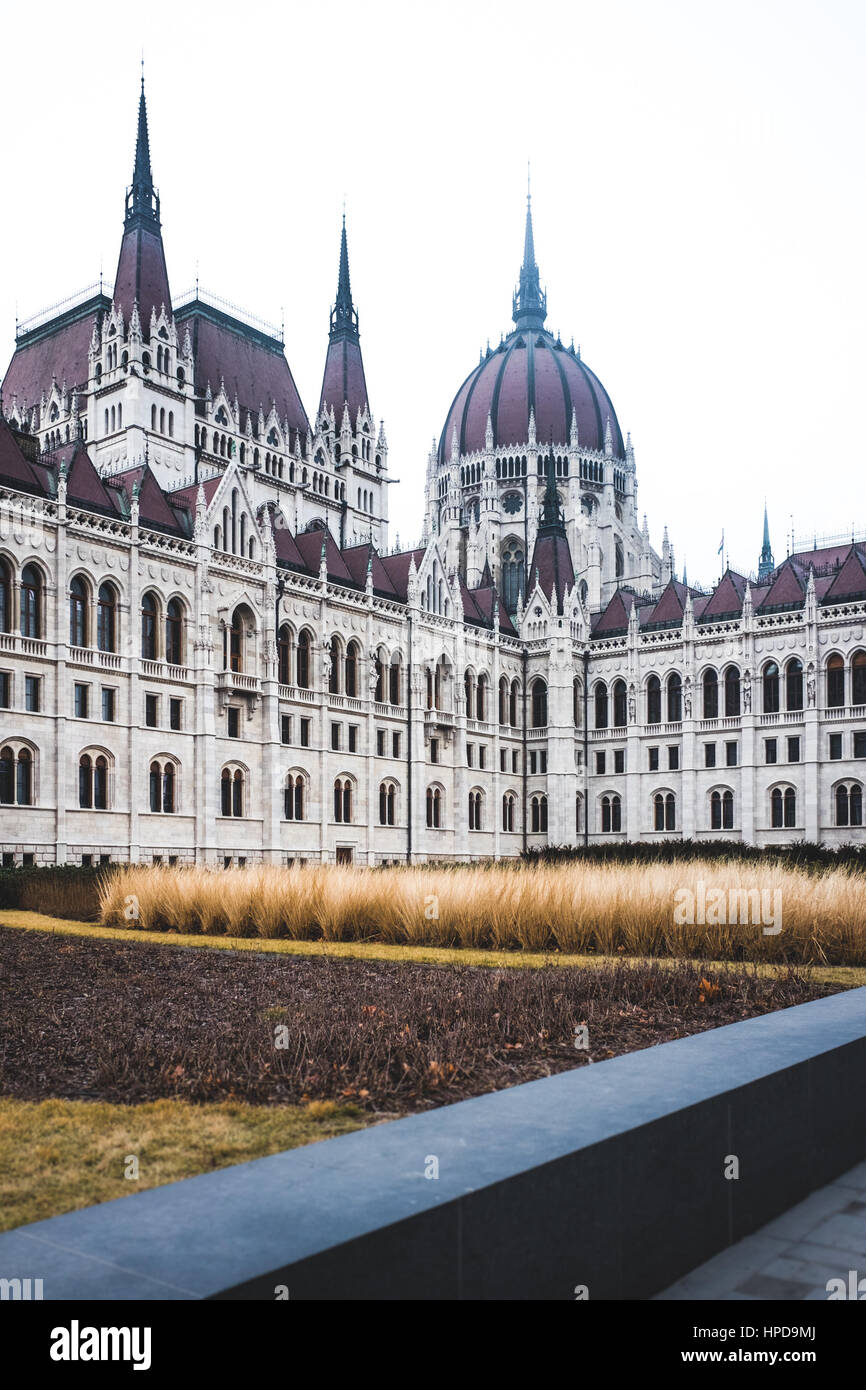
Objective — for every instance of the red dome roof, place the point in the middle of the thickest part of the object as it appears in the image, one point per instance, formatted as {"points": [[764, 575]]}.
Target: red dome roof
{"points": [[530, 370]]}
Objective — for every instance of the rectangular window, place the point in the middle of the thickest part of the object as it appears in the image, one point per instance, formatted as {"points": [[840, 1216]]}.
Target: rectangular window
{"points": [[285, 728], [5, 690], [305, 733], [234, 721], [32, 694], [709, 755], [82, 700], [335, 736], [382, 743], [619, 760], [835, 747], [542, 761], [600, 763], [434, 750], [108, 706], [515, 760], [482, 755], [27, 861], [860, 744], [730, 755], [353, 738], [8, 859], [673, 757], [151, 710], [395, 743], [470, 755], [175, 714], [86, 861], [503, 760], [227, 861], [653, 760], [770, 750], [106, 859], [793, 750]]}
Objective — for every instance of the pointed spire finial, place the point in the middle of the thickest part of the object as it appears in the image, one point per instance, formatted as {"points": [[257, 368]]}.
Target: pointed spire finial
{"points": [[344, 316], [529, 309], [141, 199]]}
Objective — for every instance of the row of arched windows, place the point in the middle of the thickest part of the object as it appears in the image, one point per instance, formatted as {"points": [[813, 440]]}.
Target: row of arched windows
{"points": [[159, 420]]}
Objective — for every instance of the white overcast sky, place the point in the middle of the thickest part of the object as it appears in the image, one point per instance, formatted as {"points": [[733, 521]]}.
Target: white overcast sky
{"points": [[698, 198]]}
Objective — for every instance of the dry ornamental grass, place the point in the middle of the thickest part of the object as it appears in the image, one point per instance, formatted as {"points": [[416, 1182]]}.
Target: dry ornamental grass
{"points": [[570, 907]]}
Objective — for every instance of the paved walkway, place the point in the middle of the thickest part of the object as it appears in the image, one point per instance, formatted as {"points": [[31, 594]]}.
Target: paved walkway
{"points": [[794, 1256]]}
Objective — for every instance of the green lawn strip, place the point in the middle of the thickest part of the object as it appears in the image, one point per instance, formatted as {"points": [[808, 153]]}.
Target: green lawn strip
{"points": [[59, 1155], [848, 975]]}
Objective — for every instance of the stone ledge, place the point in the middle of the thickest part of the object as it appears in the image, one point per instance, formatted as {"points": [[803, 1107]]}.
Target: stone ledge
{"points": [[610, 1176]]}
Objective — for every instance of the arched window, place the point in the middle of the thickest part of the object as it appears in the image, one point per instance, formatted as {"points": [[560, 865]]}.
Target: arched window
{"points": [[352, 654], [232, 792], [100, 784], [601, 705], [242, 620], [31, 602], [611, 815], [513, 703], [653, 700], [238, 793], [835, 682], [711, 695], [294, 796], [469, 691], [508, 801], [394, 680], [675, 698], [304, 659], [578, 814], [577, 702], [7, 776], [783, 808], [794, 684], [503, 699], [732, 692], [476, 802], [85, 781], [538, 815], [858, 679], [336, 661], [620, 705], [5, 597], [149, 625], [78, 597], [284, 655], [162, 784], [481, 698], [379, 668], [771, 688], [387, 803], [849, 804], [539, 703], [722, 810], [513, 583], [106, 618], [343, 800], [174, 632], [434, 808]]}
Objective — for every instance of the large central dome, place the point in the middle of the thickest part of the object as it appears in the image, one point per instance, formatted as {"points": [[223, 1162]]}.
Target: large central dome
{"points": [[530, 372]]}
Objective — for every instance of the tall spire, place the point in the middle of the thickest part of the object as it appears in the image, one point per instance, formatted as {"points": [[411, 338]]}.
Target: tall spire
{"points": [[767, 564], [344, 316], [344, 386], [141, 199], [529, 308]]}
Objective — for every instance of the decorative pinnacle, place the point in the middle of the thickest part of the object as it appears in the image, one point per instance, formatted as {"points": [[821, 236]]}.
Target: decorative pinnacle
{"points": [[344, 316], [142, 200], [529, 309]]}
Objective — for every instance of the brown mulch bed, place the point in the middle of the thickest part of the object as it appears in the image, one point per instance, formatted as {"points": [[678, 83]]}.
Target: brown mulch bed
{"points": [[127, 1022]]}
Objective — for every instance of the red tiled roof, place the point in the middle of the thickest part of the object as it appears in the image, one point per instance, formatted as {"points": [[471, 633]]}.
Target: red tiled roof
{"points": [[727, 597], [258, 375], [153, 505], [397, 567], [84, 485], [787, 586], [14, 467], [551, 558], [615, 617], [60, 356], [850, 582]]}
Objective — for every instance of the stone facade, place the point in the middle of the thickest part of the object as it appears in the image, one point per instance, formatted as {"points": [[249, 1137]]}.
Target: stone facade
{"points": [[208, 652]]}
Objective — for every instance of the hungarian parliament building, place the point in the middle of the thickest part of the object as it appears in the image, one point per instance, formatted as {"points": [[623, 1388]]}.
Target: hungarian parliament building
{"points": [[210, 651]]}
